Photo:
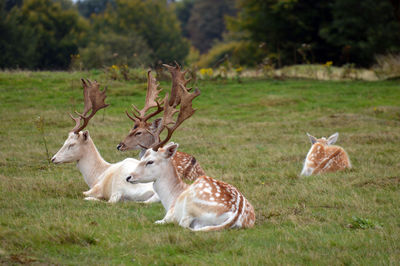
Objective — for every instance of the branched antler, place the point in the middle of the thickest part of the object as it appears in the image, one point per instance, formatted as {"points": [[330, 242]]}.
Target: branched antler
{"points": [[151, 101], [185, 111], [178, 77], [94, 100]]}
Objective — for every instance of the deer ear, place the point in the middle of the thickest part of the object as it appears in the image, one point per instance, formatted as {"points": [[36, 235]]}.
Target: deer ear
{"points": [[332, 139], [312, 138], [85, 135], [155, 125], [170, 150]]}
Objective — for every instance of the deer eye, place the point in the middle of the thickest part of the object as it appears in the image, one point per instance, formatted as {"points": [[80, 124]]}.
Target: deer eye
{"points": [[135, 127], [149, 162], [138, 134], [70, 146]]}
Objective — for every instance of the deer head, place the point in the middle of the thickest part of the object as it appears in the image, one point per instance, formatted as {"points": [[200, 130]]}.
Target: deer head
{"points": [[144, 134], [330, 141], [75, 145], [156, 155], [153, 164]]}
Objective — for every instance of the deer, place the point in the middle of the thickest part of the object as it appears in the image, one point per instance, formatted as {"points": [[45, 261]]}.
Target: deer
{"points": [[143, 133], [106, 181], [205, 205], [325, 157]]}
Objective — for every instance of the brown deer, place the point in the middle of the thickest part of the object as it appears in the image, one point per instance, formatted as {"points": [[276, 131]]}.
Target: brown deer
{"points": [[207, 204], [325, 157], [143, 133], [106, 181]]}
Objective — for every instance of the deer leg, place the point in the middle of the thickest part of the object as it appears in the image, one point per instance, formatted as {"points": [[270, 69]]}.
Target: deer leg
{"points": [[91, 198], [93, 192], [168, 218], [115, 197], [152, 199], [186, 221]]}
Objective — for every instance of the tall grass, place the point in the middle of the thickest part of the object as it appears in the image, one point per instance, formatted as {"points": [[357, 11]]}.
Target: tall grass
{"points": [[251, 135]]}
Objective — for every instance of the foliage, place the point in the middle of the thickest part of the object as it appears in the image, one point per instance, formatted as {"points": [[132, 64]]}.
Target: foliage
{"points": [[340, 30], [39, 123], [48, 33], [251, 135], [363, 223], [153, 21], [88, 7], [362, 29], [207, 22], [15, 52], [388, 66], [106, 49], [235, 52], [136, 33], [183, 10], [193, 57]]}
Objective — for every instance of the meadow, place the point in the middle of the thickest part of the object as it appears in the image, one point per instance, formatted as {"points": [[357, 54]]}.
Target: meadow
{"points": [[250, 134]]}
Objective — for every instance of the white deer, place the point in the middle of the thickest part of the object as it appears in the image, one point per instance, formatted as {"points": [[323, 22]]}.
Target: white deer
{"points": [[205, 205], [106, 181], [325, 157]]}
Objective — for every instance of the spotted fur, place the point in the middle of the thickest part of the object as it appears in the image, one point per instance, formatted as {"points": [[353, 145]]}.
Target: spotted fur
{"points": [[187, 166], [214, 197], [324, 157], [205, 205]]}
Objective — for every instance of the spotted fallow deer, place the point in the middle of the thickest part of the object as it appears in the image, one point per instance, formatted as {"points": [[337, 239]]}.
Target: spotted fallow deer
{"points": [[143, 133], [205, 205], [325, 157], [106, 181]]}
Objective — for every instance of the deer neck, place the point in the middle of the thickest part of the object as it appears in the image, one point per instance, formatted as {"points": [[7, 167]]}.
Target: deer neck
{"points": [[91, 165], [169, 186], [142, 152]]}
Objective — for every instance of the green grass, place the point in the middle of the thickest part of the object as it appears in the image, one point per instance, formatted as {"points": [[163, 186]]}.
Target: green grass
{"points": [[251, 135]]}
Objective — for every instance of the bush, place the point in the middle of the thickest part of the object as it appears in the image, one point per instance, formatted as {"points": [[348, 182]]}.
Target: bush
{"points": [[388, 66], [236, 52], [114, 49]]}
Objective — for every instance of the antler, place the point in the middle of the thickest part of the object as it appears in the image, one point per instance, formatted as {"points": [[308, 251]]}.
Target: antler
{"points": [[185, 111], [151, 101], [94, 100], [178, 77]]}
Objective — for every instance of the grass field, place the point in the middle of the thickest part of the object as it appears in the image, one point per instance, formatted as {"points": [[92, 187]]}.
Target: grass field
{"points": [[252, 135]]}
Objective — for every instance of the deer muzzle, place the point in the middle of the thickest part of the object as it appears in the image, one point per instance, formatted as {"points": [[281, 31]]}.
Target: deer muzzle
{"points": [[121, 147], [131, 180]]}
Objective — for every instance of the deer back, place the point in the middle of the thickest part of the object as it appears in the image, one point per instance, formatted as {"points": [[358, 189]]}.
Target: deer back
{"points": [[323, 157], [187, 166]]}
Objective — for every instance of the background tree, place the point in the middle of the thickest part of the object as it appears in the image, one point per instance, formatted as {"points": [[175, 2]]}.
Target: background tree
{"points": [[306, 31], [207, 22], [17, 42], [287, 30], [49, 34], [153, 21], [396, 7], [88, 7], [183, 9], [361, 29]]}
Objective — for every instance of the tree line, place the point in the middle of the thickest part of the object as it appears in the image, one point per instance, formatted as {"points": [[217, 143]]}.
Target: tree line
{"points": [[53, 34]]}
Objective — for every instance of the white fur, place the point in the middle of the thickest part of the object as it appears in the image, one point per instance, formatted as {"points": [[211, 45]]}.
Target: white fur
{"points": [[182, 201], [307, 171], [106, 181]]}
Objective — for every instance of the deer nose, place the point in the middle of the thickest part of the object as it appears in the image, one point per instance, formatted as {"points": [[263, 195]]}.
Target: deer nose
{"points": [[119, 146], [128, 178], [53, 159]]}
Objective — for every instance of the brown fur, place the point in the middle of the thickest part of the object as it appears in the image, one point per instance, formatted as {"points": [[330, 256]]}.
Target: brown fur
{"points": [[325, 158]]}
